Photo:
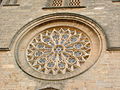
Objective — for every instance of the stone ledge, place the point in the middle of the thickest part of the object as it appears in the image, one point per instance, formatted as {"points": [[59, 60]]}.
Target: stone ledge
{"points": [[115, 0], [114, 49], [63, 7], [11, 5], [4, 49]]}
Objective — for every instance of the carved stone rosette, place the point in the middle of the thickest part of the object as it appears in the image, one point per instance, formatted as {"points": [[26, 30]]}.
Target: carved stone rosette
{"points": [[58, 46], [58, 50]]}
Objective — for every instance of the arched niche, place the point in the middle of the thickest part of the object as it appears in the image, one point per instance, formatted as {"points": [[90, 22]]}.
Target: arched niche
{"points": [[49, 88]]}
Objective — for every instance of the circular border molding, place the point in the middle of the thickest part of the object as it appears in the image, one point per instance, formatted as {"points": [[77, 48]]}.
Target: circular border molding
{"points": [[82, 23]]}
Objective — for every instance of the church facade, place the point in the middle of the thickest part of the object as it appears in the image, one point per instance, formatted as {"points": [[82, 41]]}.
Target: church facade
{"points": [[59, 44]]}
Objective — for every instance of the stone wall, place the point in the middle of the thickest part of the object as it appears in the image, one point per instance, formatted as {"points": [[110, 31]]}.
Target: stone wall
{"points": [[104, 75], [105, 12]]}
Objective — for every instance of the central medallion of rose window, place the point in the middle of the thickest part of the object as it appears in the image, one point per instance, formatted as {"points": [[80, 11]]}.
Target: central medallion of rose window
{"points": [[58, 50]]}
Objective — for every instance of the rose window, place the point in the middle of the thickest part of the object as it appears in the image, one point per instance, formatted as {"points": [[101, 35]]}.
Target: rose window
{"points": [[58, 50]]}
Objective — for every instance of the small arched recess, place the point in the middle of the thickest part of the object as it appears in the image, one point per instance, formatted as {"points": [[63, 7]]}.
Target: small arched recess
{"points": [[49, 88]]}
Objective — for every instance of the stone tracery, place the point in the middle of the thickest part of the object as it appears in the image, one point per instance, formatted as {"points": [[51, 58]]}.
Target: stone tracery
{"points": [[58, 50]]}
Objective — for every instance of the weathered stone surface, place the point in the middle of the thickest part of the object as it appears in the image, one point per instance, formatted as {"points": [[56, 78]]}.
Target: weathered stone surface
{"points": [[105, 73], [104, 12]]}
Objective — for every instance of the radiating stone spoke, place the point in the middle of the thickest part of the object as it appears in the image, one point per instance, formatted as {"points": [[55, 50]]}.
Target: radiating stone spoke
{"points": [[42, 45], [42, 60], [51, 56], [77, 53], [78, 45], [73, 50], [42, 55]]}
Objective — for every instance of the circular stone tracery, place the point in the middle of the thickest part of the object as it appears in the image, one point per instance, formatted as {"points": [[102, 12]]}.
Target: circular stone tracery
{"points": [[58, 50]]}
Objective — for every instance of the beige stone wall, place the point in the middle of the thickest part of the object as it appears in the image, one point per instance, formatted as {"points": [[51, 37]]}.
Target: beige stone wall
{"points": [[104, 12], [104, 75]]}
